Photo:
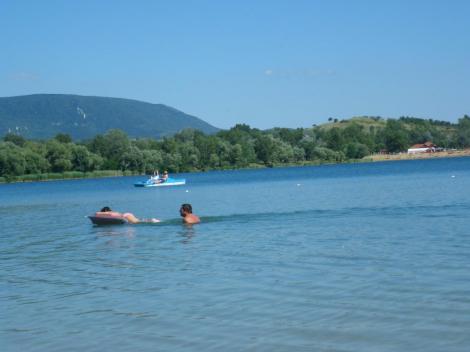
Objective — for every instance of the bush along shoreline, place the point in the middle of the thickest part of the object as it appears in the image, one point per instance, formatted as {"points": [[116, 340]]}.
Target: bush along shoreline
{"points": [[116, 154], [69, 175]]}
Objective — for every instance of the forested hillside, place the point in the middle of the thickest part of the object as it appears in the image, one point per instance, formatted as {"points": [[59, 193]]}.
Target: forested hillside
{"points": [[42, 116], [238, 147]]}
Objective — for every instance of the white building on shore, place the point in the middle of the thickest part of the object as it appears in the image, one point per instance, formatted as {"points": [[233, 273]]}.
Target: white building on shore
{"points": [[427, 147]]}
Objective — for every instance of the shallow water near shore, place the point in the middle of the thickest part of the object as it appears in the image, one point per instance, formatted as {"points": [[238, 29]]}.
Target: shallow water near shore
{"points": [[355, 257]]}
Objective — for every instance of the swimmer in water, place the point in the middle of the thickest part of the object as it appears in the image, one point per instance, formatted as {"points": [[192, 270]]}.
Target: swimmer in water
{"points": [[186, 212], [131, 218]]}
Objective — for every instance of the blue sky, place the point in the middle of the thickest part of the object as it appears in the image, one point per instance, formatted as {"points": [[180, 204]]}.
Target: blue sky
{"points": [[265, 63]]}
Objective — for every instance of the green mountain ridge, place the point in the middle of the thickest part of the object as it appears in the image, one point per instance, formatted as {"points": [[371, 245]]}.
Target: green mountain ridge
{"points": [[41, 116]]}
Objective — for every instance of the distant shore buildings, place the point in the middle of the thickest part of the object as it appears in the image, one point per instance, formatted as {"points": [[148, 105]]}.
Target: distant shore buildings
{"points": [[427, 147]]}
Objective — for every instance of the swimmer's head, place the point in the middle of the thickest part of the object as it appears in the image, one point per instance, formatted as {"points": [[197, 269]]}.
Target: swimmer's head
{"points": [[186, 209], [105, 209]]}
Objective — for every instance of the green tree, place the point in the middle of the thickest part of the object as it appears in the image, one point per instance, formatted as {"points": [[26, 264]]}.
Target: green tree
{"points": [[83, 160], [153, 160], [264, 148], [309, 148], [132, 159], [248, 152], [35, 163], [111, 146], [283, 152], [395, 137], [463, 131], [189, 156], [59, 156], [326, 154], [223, 152], [15, 139], [291, 136], [334, 139], [206, 145], [236, 156], [171, 162], [214, 161], [63, 138], [299, 154], [12, 160], [355, 150]]}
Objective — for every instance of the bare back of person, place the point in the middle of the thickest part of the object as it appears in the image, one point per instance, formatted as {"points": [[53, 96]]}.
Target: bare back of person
{"points": [[191, 219], [129, 217]]}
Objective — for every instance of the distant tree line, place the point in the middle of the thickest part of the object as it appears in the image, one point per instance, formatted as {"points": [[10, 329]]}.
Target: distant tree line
{"points": [[239, 147]]}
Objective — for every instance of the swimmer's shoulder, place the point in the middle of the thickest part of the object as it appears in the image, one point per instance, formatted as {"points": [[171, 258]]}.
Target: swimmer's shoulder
{"points": [[192, 219]]}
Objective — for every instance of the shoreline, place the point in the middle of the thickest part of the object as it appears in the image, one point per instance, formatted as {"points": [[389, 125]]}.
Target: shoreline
{"points": [[367, 159], [419, 156], [64, 176]]}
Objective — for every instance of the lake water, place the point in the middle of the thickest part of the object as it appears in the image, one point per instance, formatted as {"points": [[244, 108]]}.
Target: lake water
{"points": [[358, 257]]}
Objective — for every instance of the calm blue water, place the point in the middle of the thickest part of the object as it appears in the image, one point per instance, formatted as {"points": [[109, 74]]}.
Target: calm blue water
{"points": [[364, 257]]}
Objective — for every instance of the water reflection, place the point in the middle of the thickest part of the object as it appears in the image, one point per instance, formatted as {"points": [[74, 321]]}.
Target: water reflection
{"points": [[126, 231], [187, 232]]}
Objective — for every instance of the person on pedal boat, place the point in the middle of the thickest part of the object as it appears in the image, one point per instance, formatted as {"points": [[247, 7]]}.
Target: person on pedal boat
{"points": [[165, 176]]}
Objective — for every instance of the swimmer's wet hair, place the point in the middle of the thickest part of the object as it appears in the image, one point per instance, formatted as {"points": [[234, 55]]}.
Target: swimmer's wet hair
{"points": [[187, 208], [105, 209]]}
